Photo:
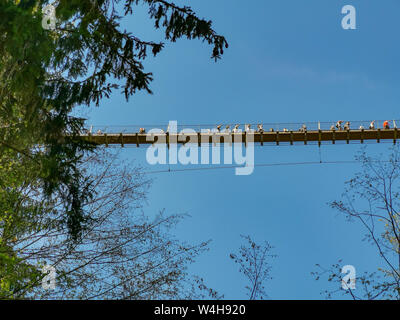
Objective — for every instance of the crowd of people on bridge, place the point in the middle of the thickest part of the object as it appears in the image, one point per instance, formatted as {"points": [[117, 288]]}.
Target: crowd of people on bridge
{"points": [[340, 125], [346, 126]]}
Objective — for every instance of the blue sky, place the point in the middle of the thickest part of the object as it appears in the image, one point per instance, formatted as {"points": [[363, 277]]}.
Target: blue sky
{"points": [[288, 61]]}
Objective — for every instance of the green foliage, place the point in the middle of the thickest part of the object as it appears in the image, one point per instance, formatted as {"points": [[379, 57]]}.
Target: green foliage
{"points": [[44, 75]]}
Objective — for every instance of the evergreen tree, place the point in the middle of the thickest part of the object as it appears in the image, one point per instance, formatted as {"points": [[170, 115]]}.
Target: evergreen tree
{"points": [[45, 74]]}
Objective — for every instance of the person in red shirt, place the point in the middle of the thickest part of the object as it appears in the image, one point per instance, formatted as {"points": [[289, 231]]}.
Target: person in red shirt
{"points": [[386, 125]]}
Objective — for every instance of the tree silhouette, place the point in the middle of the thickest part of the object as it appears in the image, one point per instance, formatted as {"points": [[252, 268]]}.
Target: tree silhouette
{"points": [[254, 263], [371, 198]]}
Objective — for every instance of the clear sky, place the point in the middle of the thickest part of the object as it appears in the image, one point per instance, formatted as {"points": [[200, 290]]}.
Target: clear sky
{"points": [[288, 61]]}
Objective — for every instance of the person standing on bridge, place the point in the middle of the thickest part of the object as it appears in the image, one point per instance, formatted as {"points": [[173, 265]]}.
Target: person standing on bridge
{"points": [[372, 125], [339, 124], [386, 125], [303, 128]]}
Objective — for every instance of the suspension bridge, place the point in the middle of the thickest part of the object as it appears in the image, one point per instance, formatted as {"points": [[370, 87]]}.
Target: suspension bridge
{"points": [[261, 133]]}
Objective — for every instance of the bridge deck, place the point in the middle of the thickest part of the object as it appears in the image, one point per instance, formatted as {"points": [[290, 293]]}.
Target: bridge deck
{"points": [[266, 137]]}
